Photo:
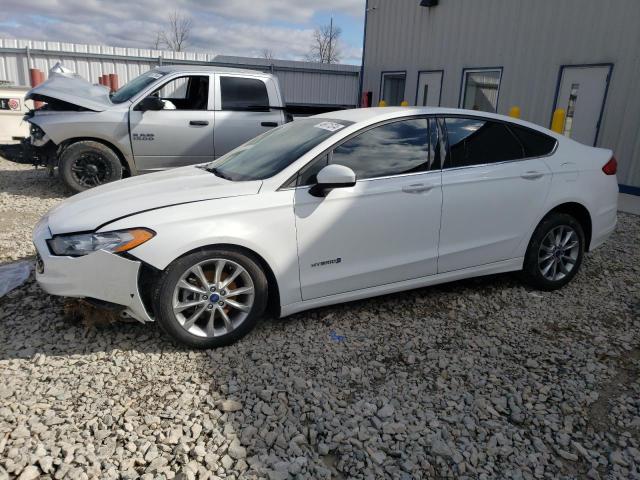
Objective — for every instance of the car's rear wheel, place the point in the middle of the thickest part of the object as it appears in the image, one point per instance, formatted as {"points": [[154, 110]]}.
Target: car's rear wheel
{"points": [[87, 164], [211, 298], [555, 252]]}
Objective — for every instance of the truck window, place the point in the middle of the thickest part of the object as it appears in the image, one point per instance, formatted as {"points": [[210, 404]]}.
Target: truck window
{"points": [[185, 93], [239, 93]]}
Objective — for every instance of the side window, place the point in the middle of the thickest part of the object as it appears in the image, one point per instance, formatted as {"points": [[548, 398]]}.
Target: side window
{"points": [[239, 93], [390, 149], [535, 144], [308, 175], [474, 141], [185, 93]]}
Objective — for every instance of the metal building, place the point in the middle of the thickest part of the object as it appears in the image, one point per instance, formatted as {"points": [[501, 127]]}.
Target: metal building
{"points": [[303, 84], [578, 55]]}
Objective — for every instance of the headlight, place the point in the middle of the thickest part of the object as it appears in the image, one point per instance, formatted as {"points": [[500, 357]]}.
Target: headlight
{"points": [[36, 132], [85, 243]]}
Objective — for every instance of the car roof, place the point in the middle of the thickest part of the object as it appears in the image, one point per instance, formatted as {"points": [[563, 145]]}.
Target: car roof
{"points": [[209, 69], [376, 114]]}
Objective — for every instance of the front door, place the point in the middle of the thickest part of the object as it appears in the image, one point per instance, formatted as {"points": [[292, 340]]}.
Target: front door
{"points": [[244, 112], [383, 230], [582, 95], [179, 134], [491, 194], [429, 86]]}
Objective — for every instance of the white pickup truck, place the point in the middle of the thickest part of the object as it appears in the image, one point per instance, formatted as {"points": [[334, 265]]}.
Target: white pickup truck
{"points": [[167, 117]]}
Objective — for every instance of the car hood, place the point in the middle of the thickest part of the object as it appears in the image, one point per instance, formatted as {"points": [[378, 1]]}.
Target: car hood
{"points": [[94, 208], [72, 89]]}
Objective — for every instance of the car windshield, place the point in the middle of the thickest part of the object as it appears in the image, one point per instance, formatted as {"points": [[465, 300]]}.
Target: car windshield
{"points": [[135, 86], [271, 152]]}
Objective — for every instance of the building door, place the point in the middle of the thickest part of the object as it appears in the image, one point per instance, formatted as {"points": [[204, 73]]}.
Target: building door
{"points": [[429, 87], [582, 93]]}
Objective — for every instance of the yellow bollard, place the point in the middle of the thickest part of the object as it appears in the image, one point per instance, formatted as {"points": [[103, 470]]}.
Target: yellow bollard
{"points": [[514, 111], [404, 103], [382, 103], [557, 124]]}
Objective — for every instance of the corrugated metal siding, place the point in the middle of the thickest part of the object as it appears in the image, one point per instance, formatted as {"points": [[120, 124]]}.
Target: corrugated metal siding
{"points": [[531, 40], [301, 82]]}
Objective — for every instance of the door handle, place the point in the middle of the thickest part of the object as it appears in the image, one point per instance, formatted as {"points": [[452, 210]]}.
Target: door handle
{"points": [[532, 175], [199, 123], [416, 188], [269, 124]]}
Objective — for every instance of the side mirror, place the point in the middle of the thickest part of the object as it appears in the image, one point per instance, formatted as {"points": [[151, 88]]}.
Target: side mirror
{"points": [[333, 176], [150, 103]]}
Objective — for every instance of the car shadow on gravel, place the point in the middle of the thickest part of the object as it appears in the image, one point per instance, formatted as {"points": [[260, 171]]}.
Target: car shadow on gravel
{"points": [[32, 182], [33, 322]]}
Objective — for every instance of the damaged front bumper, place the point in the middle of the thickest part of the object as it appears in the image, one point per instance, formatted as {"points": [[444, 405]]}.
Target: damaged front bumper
{"points": [[100, 275]]}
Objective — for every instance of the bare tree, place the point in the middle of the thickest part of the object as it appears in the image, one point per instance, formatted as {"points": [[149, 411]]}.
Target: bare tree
{"points": [[177, 33], [267, 53], [325, 47], [157, 42]]}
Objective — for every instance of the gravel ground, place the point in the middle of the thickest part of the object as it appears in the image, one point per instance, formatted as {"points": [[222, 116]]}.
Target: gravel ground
{"points": [[477, 379]]}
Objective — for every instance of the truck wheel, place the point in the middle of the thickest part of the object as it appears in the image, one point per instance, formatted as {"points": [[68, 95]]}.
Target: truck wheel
{"points": [[87, 164]]}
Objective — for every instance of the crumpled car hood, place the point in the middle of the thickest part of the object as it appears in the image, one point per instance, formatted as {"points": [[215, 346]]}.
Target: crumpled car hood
{"points": [[94, 208], [72, 89]]}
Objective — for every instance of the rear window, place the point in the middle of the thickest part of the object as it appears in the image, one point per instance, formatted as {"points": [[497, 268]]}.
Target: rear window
{"points": [[475, 141], [239, 93], [535, 144]]}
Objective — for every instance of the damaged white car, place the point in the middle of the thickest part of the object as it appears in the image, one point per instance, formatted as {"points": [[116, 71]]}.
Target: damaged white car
{"points": [[329, 209]]}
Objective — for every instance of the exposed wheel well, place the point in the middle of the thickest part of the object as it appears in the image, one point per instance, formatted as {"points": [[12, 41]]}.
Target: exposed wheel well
{"points": [[147, 279], [581, 214], [70, 141]]}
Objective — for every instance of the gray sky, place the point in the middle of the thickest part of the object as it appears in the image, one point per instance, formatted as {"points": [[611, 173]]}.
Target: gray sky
{"points": [[232, 27]]}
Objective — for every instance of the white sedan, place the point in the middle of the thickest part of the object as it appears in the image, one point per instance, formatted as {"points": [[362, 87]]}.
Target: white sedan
{"points": [[329, 209]]}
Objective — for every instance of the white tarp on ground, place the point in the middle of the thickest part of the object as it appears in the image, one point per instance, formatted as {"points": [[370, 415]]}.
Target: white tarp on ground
{"points": [[12, 275]]}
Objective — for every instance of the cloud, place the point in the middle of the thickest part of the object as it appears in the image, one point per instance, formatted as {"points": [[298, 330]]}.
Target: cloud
{"points": [[239, 27]]}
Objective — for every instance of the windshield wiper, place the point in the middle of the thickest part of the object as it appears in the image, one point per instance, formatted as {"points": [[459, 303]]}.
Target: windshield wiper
{"points": [[218, 173]]}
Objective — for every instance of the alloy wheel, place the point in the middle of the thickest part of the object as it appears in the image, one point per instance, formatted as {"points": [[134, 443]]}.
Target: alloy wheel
{"points": [[213, 297], [91, 169], [558, 253]]}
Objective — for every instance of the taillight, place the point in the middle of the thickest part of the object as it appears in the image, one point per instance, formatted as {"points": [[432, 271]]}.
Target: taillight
{"points": [[611, 167]]}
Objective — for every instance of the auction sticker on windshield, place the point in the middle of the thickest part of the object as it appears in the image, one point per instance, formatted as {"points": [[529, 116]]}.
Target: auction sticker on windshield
{"points": [[330, 126]]}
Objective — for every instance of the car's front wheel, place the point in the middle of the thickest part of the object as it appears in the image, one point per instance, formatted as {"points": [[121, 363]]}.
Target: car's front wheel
{"points": [[555, 252], [211, 298]]}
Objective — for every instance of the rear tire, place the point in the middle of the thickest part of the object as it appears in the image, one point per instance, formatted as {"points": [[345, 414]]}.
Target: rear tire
{"points": [[87, 164], [219, 314], [555, 252]]}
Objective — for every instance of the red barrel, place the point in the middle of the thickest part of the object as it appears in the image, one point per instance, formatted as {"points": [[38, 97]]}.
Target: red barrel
{"points": [[113, 80]]}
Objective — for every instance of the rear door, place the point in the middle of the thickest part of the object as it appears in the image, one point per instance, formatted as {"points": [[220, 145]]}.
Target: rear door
{"points": [[243, 111], [493, 187], [182, 132], [384, 229]]}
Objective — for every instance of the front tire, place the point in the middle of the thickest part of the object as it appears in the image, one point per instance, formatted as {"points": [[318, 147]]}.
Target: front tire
{"points": [[87, 164], [211, 298], [555, 252]]}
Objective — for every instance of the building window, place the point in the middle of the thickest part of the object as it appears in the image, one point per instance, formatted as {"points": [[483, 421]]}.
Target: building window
{"points": [[480, 88], [392, 91]]}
